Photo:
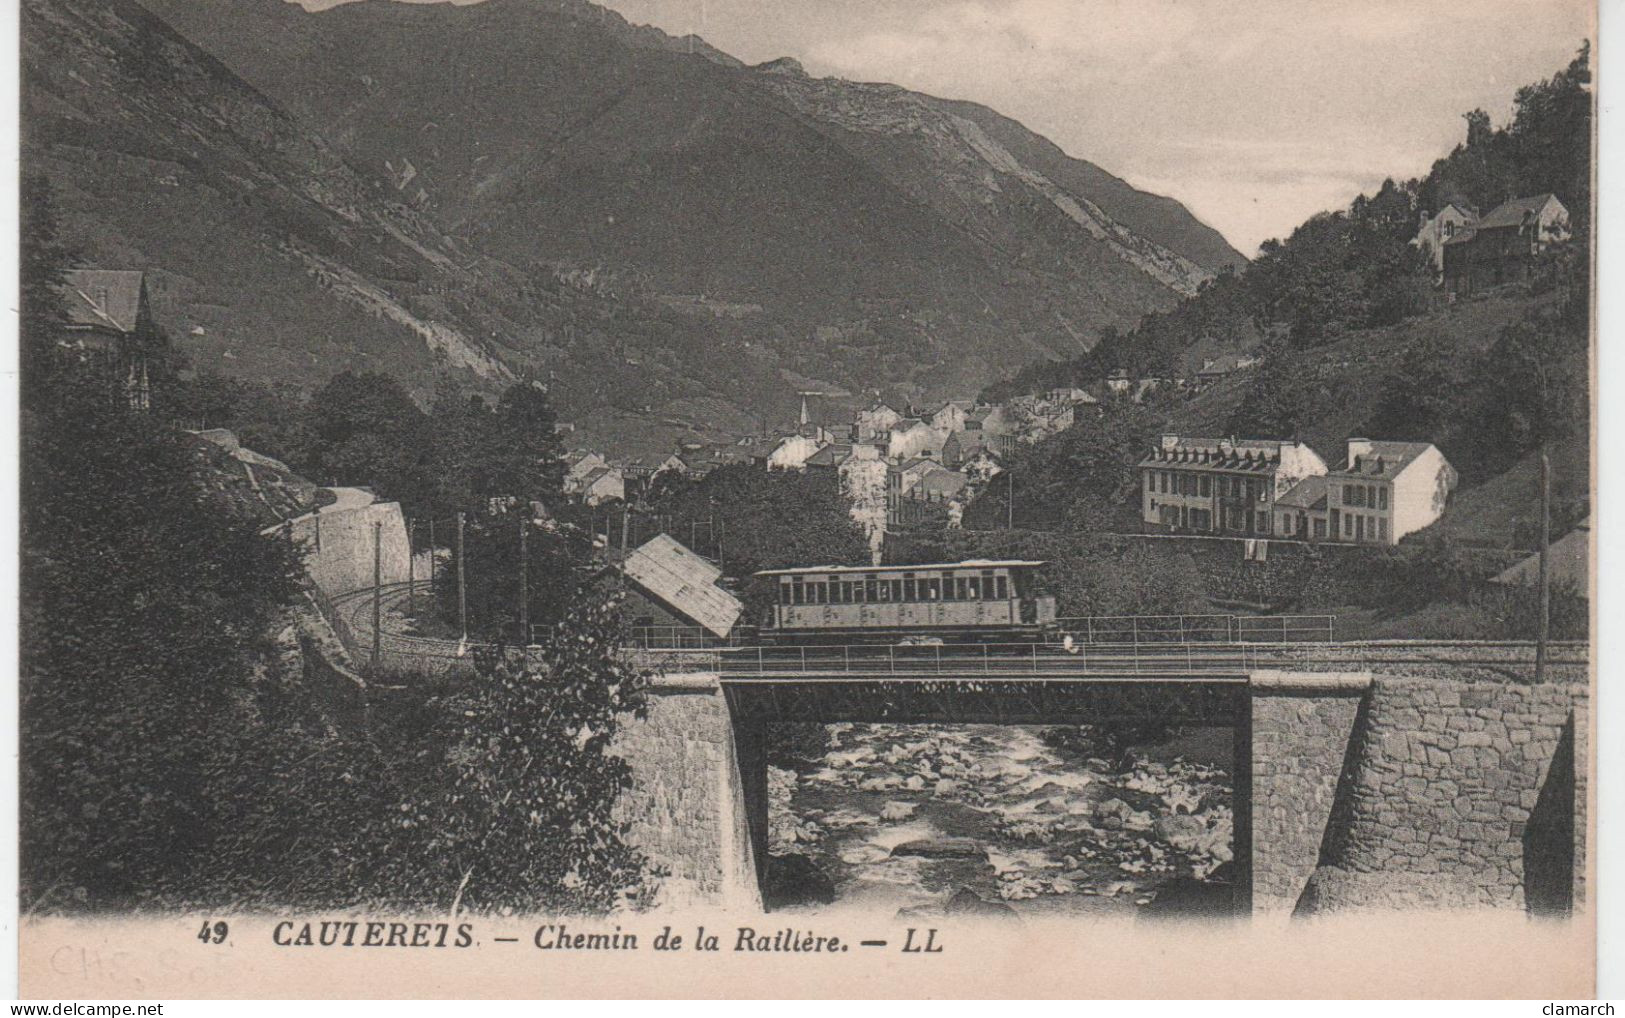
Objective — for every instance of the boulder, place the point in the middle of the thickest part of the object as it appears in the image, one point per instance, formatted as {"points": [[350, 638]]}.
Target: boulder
{"points": [[967, 902], [897, 811], [1185, 833], [941, 848]]}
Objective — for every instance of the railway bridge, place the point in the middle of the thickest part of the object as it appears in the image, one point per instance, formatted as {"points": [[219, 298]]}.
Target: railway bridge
{"points": [[1390, 775], [1397, 773]]}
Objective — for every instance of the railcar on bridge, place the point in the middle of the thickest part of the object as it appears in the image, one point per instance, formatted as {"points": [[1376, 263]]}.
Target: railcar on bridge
{"points": [[975, 601]]}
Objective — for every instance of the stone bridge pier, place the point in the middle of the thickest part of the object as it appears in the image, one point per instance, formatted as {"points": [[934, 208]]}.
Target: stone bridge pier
{"points": [[1351, 791]]}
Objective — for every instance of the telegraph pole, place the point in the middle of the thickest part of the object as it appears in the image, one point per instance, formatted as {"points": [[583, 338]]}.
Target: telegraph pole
{"points": [[377, 592], [462, 585], [1010, 506], [411, 567], [432, 555], [1545, 545], [524, 586]]}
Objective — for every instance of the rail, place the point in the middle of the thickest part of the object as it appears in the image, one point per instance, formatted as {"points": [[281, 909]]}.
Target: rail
{"points": [[876, 661], [1094, 629]]}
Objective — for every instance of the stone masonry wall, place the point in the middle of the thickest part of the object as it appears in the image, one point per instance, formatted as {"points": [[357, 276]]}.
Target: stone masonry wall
{"points": [[1459, 795], [343, 559], [687, 806], [1302, 727]]}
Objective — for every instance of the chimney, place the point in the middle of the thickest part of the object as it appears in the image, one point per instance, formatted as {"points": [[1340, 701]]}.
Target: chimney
{"points": [[1359, 448], [1170, 441]]}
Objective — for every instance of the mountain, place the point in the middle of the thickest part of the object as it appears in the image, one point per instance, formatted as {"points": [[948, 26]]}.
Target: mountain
{"points": [[535, 185]]}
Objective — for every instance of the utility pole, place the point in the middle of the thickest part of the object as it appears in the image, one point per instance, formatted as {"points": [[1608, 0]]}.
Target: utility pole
{"points": [[411, 567], [432, 555], [1010, 505], [1545, 544], [722, 532], [462, 584], [377, 592], [524, 585]]}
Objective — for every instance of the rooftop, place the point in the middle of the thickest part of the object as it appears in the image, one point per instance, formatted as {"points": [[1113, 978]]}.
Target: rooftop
{"points": [[103, 298], [977, 563], [685, 582], [1309, 493], [1383, 460], [1511, 213]]}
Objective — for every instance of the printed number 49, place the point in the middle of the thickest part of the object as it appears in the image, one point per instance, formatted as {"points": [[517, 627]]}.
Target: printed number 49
{"points": [[213, 933]]}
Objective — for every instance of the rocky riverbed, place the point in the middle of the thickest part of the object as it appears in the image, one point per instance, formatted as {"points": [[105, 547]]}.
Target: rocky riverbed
{"points": [[1001, 820]]}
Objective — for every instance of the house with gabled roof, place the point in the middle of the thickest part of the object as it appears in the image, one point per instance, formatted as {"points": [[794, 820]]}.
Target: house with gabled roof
{"points": [[671, 589], [108, 325], [1502, 246]]}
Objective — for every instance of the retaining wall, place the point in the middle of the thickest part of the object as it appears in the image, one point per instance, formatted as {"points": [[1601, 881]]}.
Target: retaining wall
{"points": [[341, 560], [1458, 795], [691, 778], [1302, 729]]}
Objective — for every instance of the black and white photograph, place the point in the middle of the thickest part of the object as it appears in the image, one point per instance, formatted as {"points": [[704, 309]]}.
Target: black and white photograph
{"points": [[509, 482]]}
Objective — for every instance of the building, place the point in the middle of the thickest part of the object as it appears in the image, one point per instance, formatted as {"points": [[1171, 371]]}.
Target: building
{"points": [[1222, 366], [602, 485], [1501, 247], [578, 466], [950, 417], [875, 422], [1221, 485], [911, 437], [792, 452], [1118, 381], [673, 594], [1386, 490], [108, 326], [1436, 230], [990, 420]]}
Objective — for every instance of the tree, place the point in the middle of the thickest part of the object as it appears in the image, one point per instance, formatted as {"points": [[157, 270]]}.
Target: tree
{"points": [[524, 816], [556, 557], [146, 613], [368, 432], [1283, 399], [767, 519]]}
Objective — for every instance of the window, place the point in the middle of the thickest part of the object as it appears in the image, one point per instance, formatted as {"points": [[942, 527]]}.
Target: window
{"points": [[1382, 498], [973, 588], [1320, 528], [1348, 526], [797, 592], [871, 589], [948, 587], [883, 590], [933, 589], [1206, 485], [784, 591], [897, 590], [1286, 523], [1150, 482], [1348, 494], [908, 587], [960, 589], [1165, 482], [1002, 588], [1382, 527]]}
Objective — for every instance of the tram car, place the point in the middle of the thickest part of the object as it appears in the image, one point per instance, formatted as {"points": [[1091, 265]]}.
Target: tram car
{"points": [[976, 601]]}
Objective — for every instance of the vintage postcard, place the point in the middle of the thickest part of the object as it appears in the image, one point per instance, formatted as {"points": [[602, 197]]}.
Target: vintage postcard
{"points": [[806, 498]]}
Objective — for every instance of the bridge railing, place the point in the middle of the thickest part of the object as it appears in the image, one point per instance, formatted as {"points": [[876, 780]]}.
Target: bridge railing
{"points": [[1094, 629], [960, 660]]}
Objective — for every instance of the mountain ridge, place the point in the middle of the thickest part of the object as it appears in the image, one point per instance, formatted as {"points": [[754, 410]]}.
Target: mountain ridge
{"points": [[536, 186]]}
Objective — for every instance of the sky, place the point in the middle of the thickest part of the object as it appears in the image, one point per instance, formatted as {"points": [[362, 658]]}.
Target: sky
{"points": [[1255, 115]]}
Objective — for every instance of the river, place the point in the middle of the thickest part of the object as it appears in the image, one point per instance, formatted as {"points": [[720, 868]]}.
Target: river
{"points": [[934, 819]]}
